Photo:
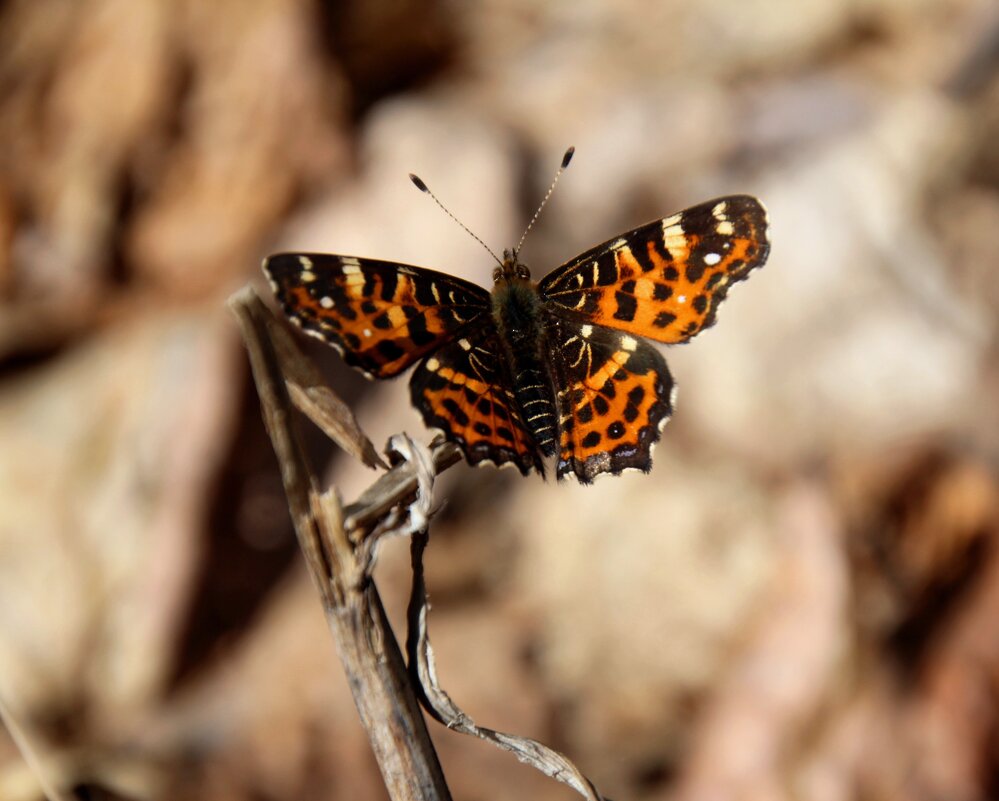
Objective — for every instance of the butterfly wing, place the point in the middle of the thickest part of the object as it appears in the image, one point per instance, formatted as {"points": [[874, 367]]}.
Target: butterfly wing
{"points": [[464, 390], [382, 316], [665, 280], [615, 396]]}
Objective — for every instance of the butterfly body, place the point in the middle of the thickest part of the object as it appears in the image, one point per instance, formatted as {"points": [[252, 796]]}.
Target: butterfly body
{"points": [[518, 315], [535, 369]]}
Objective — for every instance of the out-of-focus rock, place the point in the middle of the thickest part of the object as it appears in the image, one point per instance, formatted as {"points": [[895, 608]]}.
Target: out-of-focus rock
{"points": [[261, 128], [107, 452], [73, 126]]}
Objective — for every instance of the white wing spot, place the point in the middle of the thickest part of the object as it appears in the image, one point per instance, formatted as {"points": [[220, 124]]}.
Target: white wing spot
{"points": [[725, 228], [306, 262], [433, 365], [718, 212], [629, 343], [436, 294], [586, 330], [681, 299], [712, 258], [465, 344], [351, 269], [308, 276], [367, 332], [326, 302], [349, 261]]}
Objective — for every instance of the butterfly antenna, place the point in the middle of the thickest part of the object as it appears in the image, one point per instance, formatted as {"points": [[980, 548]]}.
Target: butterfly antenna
{"points": [[565, 163], [418, 183]]}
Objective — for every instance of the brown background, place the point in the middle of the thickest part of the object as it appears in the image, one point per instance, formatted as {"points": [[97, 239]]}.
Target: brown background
{"points": [[799, 602]]}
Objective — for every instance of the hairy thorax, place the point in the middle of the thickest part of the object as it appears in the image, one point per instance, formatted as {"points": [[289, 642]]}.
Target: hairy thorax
{"points": [[517, 312]]}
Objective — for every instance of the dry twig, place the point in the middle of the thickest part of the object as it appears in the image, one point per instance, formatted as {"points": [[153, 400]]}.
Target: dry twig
{"points": [[339, 546], [364, 640], [439, 704]]}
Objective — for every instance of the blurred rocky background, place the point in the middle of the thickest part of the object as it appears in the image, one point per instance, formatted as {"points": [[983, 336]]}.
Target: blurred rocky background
{"points": [[799, 602]]}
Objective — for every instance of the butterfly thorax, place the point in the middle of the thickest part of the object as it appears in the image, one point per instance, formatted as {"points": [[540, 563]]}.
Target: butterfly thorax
{"points": [[518, 316]]}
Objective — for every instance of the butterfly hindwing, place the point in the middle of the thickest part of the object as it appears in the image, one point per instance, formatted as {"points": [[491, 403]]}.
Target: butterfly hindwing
{"points": [[664, 280], [382, 316], [465, 390], [615, 395]]}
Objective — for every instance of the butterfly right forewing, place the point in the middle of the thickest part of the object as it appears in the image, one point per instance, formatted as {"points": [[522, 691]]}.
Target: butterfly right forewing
{"points": [[664, 280]]}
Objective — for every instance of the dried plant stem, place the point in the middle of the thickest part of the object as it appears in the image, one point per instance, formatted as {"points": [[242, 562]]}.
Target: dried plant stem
{"points": [[367, 648], [339, 547], [439, 704]]}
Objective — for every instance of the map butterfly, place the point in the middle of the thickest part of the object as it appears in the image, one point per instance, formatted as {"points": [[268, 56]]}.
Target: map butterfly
{"points": [[536, 369]]}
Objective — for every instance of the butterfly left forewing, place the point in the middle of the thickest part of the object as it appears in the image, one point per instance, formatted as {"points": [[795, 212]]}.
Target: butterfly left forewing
{"points": [[382, 316], [664, 280], [614, 397]]}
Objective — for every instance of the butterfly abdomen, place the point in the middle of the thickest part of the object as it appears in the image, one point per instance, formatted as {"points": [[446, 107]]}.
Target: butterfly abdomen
{"points": [[517, 312]]}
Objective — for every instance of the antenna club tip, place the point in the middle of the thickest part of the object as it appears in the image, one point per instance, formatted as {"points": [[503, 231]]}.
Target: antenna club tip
{"points": [[568, 157], [418, 183]]}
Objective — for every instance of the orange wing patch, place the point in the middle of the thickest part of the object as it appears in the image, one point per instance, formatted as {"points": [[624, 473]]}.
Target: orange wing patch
{"points": [[614, 399], [381, 316], [665, 280]]}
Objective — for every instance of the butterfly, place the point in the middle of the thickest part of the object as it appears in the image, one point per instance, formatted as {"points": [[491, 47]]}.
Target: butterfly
{"points": [[536, 369]]}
